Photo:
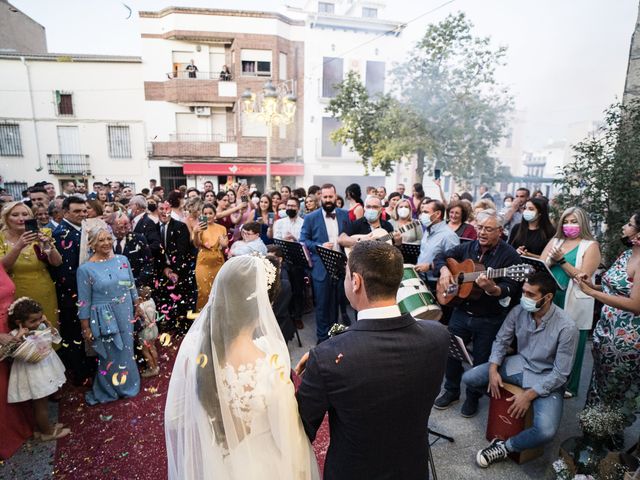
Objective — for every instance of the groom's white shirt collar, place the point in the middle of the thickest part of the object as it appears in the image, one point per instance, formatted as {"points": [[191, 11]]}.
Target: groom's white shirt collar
{"points": [[379, 312]]}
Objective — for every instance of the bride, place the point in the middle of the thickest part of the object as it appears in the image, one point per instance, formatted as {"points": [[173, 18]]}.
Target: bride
{"points": [[231, 412]]}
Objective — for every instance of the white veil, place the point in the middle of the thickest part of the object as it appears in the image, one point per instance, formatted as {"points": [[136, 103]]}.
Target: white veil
{"points": [[211, 435]]}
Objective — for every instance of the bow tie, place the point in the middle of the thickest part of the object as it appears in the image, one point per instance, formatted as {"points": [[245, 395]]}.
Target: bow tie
{"points": [[331, 215]]}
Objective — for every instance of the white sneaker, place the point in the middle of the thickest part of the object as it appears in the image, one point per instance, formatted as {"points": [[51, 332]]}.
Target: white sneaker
{"points": [[496, 451]]}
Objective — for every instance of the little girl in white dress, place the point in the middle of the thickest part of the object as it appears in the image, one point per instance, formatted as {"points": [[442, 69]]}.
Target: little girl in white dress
{"points": [[37, 371]]}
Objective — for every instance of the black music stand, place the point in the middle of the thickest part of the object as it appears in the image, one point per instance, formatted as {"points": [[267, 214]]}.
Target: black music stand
{"points": [[335, 263], [294, 255], [410, 252]]}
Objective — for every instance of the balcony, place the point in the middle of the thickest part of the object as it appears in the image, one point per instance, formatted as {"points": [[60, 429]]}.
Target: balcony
{"points": [[69, 164], [195, 145], [187, 90]]}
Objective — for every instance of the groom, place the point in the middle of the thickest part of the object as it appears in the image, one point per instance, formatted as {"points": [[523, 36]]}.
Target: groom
{"points": [[378, 380]]}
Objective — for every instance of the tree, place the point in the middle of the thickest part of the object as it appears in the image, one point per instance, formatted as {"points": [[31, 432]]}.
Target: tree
{"points": [[604, 176], [448, 108], [449, 80]]}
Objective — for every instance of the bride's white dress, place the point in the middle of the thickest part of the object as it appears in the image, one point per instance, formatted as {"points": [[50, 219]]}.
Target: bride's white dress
{"points": [[261, 397]]}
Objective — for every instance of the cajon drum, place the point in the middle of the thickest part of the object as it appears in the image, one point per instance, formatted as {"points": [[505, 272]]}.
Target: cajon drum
{"points": [[501, 425]]}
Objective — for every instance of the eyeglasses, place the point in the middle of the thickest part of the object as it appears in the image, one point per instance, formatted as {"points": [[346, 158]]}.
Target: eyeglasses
{"points": [[482, 228]]}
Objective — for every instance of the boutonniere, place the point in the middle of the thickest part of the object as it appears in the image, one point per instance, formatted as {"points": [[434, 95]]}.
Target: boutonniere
{"points": [[337, 329]]}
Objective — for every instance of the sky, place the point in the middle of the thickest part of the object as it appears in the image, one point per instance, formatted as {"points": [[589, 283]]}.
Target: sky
{"points": [[566, 59]]}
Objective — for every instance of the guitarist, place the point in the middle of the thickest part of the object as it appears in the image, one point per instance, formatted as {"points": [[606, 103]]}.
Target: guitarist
{"points": [[477, 320], [367, 224]]}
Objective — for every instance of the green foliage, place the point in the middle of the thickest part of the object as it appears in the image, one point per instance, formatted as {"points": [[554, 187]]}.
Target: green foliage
{"points": [[604, 176], [448, 109]]}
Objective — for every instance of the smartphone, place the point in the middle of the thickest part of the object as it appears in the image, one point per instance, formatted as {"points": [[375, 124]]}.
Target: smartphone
{"points": [[203, 219], [436, 174], [271, 217], [31, 225], [244, 199]]}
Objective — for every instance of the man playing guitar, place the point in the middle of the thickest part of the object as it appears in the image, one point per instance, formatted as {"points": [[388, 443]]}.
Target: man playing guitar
{"points": [[362, 228], [480, 319]]}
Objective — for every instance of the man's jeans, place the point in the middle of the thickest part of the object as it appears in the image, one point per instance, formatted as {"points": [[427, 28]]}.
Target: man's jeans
{"points": [[547, 411], [482, 330]]}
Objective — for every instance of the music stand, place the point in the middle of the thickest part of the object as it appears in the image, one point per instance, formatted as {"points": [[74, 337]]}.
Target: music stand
{"points": [[293, 253], [410, 252], [540, 265], [335, 263]]}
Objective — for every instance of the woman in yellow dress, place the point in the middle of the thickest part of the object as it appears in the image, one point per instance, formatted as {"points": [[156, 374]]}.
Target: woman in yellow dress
{"points": [[25, 255], [210, 239]]}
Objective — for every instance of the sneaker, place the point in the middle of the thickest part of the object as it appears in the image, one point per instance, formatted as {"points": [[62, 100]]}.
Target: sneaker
{"points": [[469, 407], [445, 400], [496, 451]]}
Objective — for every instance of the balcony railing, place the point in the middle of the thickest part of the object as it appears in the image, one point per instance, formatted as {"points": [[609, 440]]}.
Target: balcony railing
{"points": [[183, 74], [68, 164], [200, 137]]}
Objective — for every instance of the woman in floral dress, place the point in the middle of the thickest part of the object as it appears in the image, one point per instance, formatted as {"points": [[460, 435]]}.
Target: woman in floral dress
{"points": [[616, 338]]}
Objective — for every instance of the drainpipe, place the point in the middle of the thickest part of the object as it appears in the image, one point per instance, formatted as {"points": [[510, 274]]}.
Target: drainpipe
{"points": [[33, 114]]}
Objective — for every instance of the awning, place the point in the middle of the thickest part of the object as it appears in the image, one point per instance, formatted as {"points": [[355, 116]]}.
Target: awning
{"points": [[246, 169]]}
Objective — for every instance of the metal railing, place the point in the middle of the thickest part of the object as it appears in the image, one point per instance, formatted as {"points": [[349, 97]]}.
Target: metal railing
{"points": [[199, 75], [68, 164], [201, 137]]}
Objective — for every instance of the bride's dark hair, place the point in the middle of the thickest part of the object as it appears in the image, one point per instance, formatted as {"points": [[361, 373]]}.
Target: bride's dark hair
{"points": [[234, 307]]}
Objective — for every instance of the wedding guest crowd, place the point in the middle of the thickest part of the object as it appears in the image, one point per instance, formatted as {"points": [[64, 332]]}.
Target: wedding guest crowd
{"points": [[113, 268]]}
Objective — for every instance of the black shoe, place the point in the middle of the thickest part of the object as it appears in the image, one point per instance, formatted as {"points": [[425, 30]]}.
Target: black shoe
{"points": [[496, 451], [445, 400], [469, 407]]}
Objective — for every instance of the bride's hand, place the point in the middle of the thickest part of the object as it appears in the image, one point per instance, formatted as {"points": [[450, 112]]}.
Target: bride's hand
{"points": [[301, 364]]}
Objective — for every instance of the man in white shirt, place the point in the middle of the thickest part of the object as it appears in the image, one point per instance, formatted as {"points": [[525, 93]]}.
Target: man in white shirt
{"points": [[288, 228]]}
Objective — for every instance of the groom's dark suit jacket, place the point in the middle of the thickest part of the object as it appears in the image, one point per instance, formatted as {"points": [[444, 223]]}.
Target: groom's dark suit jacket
{"points": [[378, 381]]}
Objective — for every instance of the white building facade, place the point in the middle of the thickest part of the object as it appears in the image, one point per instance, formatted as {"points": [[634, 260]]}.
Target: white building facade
{"points": [[71, 117]]}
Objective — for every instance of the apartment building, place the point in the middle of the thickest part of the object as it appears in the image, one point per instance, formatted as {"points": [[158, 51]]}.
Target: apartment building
{"points": [[71, 117], [196, 129]]}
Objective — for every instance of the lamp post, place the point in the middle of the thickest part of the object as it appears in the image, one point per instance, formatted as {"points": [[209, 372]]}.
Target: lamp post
{"points": [[272, 106]]}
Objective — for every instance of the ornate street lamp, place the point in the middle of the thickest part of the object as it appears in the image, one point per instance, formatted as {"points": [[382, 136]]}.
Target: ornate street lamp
{"points": [[272, 106]]}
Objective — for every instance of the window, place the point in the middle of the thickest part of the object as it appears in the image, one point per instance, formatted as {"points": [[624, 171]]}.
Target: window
{"points": [[15, 189], [256, 62], [326, 7], [375, 77], [119, 142], [64, 103], [368, 12], [330, 149], [10, 145], [331, 75]]}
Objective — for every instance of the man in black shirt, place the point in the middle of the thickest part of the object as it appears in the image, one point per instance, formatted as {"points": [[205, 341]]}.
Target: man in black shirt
{"points": [[367, 224], [478, 320]]}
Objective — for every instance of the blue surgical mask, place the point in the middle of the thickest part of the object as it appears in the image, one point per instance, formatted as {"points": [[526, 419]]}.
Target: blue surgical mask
{"points": [[529, 304], [371, 215], [529, 215], [425, 219], [282, 214]]}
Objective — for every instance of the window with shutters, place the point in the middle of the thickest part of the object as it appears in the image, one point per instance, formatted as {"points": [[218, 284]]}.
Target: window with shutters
{"points": [[256, 62], [64, 103], [332, 69], [330, 149], [368, 12], [10, 144], [326, 7], [119, 141]]}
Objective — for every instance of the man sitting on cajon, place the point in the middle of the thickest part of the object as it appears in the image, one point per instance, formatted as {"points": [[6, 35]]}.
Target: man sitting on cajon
{"points": [[547, 339]]}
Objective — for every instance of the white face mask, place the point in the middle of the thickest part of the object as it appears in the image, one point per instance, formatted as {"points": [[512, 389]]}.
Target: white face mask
{"points": [[425, 218], [508, 204], [404, 212], [529, 215]]}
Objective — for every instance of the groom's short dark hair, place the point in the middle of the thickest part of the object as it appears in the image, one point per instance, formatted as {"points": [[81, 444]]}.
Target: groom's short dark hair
{"points": [[380, 266]]}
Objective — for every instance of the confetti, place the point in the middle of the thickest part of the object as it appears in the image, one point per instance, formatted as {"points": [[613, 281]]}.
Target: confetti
{"points": [[175, 297], [119, 379], [165, 340], [106, 418], [202, 360], [339, 358]]}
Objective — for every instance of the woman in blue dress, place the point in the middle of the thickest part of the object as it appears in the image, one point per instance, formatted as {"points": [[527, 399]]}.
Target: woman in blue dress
{"points": [[106, 297]]}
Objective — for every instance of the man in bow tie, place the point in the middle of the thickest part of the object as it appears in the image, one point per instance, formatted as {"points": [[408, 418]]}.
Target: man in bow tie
{"points": [[323, 227]]}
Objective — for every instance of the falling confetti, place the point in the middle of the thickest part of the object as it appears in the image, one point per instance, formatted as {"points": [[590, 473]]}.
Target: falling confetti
{"points": [[165, 340], [106, 418], [119, 379], [202, 360]]}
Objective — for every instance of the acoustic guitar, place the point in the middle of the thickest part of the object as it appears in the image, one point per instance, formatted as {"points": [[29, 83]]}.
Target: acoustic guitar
{"points": [[382, 235], [465, 273]]}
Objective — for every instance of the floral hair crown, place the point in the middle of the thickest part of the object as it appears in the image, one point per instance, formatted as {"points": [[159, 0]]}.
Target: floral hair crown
{"points": [[16, 302], [269, 269]]}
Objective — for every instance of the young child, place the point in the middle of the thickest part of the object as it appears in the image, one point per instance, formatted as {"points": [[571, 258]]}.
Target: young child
{"points": [[37, 371], [148, 335]]}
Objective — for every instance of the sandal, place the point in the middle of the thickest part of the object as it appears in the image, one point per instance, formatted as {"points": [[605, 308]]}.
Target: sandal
{"points": [[37, 435], [57, 434]]}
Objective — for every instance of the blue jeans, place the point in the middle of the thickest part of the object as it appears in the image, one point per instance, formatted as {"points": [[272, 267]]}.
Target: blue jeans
{"points": [[482, 330], [547, 411]]}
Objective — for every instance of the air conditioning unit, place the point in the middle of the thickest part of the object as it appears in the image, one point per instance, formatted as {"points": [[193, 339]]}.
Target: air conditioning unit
{"points": [[203, 111]]}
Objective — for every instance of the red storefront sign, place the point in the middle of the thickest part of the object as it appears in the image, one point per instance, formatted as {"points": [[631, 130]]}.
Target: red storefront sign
{"points": [[244, 169]]}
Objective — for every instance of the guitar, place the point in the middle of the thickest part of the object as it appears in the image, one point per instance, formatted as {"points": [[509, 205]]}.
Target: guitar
{"points": [[382, 235], [466, 274]]}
